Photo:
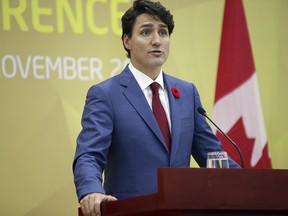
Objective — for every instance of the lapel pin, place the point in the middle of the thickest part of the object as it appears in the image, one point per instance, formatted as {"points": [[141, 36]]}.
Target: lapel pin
{"points": [[175, 92]]}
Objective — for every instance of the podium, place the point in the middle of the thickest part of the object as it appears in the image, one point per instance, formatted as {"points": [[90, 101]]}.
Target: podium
{"points": [[202, 191]]}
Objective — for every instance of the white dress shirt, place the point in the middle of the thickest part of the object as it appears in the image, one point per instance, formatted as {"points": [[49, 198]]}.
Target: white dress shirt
{"points": [[144, 82]]}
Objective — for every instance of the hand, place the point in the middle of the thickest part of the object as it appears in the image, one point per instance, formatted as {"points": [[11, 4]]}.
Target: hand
{"points": [[90, 204]]}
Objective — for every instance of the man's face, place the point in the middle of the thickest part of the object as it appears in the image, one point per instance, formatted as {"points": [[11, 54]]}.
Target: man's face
{"points": [[149, 43]]}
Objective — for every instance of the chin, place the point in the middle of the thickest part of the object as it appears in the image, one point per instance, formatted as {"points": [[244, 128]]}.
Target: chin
{"points": [[158, 62]]}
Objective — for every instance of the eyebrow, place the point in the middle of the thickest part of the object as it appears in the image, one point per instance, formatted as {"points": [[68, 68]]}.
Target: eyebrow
{"points": [[161, 25]]}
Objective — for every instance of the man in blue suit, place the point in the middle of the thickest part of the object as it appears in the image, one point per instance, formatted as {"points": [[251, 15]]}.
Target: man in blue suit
{"points": [[120, 134]]}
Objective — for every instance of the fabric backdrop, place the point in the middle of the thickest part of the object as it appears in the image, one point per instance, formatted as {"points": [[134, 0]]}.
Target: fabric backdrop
{"points": [[52, 51]]}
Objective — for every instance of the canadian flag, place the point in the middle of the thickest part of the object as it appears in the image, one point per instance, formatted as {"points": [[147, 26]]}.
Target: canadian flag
{"points": [[237, 107]]}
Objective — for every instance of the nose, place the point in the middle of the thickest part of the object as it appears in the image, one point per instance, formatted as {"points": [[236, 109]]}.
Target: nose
{"points": [[156, 40]]}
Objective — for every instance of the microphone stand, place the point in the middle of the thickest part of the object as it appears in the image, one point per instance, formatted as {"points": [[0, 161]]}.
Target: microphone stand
{"points": [[203, 112]]}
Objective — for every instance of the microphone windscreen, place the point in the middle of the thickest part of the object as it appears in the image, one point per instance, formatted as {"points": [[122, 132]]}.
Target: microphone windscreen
{"points": [[201, 110]]}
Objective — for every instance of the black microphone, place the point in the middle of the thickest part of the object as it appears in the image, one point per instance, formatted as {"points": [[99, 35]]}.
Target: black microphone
{"points": [[203, 112]]}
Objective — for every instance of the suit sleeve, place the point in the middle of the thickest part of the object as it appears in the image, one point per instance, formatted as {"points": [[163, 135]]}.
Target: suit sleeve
{"points": [[93, 142], [204, 139]]}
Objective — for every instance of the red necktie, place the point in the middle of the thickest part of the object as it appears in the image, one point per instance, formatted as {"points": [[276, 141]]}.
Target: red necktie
{"points": [[160, 114]]}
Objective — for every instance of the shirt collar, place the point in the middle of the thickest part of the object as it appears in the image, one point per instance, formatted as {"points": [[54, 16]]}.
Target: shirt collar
{"points": [[143, 80]]}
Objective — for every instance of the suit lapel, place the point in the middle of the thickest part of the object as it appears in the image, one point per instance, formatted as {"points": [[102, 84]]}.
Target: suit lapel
{"points": [[174, 104], [135, 96]]}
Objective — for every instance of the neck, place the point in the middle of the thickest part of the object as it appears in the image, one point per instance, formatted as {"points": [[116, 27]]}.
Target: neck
{"points": [[152, 72], [152, 75]]}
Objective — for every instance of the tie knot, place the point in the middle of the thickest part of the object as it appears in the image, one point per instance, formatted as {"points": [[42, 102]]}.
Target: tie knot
{"points": [[154, 87]]}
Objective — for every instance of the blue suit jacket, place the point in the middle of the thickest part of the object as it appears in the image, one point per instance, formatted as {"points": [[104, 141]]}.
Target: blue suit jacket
{"points": [[121, 135]]}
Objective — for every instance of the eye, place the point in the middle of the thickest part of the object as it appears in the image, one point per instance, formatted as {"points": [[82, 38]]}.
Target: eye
{"points": [[145, 32], [163, 32]]}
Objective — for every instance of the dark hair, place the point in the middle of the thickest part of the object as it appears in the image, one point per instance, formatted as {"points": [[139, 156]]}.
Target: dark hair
{"points": [[154, 9]]}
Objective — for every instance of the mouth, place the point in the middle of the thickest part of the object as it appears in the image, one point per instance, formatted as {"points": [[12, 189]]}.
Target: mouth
{"points": [[156, 52]]}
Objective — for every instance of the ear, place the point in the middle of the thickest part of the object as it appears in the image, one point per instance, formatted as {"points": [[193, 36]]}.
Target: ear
{"points": [[126, 42]]}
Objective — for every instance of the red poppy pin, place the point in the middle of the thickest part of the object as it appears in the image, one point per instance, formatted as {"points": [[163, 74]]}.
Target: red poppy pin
{"points": [[175, 92]]}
